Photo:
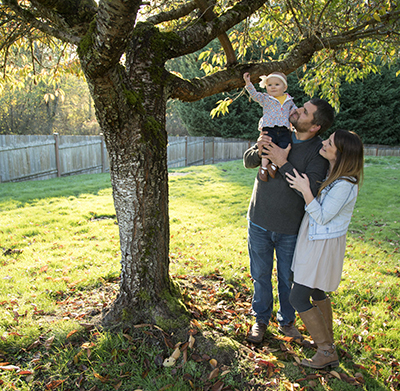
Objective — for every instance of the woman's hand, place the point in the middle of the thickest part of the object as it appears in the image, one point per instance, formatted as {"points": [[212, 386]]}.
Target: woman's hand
{"points": [[301, 183]]}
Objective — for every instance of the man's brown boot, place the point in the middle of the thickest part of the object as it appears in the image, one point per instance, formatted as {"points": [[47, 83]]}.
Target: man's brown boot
{"points": [[326, 352], [290, 331], [256, 333]]}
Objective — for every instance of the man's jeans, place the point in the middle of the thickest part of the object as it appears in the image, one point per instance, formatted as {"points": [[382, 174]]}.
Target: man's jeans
{"points": [[261, 244]]}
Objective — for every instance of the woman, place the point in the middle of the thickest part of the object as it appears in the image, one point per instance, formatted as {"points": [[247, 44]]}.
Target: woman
{"points": [[321, 243]]}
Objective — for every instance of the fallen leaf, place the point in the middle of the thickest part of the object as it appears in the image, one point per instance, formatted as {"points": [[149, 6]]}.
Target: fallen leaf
{"points": [[103, 379], [33, 345], [49, 342], [191, 341], [213, 362], [54, 384], [218, 386], [197, 358], [88, 326], [169, 362], [9, 368], [71, 333], [176, 354], [214, 373], [165, 387], [76, 357], [23, 373], [334, 373]]}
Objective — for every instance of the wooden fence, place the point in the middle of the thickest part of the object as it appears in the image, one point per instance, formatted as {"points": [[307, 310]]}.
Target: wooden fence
{"points": [[42, 157], [25, 158]]}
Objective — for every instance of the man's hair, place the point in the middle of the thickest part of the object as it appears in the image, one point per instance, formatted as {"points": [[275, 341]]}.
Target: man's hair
{"points": [[324, 115]]}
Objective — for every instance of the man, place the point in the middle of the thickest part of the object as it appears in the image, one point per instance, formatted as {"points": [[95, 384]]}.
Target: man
{"points": [[275, 212]]}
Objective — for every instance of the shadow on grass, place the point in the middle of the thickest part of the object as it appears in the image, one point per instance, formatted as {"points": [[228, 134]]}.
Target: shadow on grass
{"points": [[19, 194]]}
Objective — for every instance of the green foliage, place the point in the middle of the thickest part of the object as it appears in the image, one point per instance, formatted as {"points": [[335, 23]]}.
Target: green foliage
{"points": [[47, 94], [63, 106], [371, 108]]}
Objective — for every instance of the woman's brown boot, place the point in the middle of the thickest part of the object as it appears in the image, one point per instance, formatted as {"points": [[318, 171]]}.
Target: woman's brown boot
{"points": [[326, 352], [325, 307]]}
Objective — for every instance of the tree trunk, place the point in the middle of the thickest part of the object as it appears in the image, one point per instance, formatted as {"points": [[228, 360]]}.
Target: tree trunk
{"points": [[131, 109]]}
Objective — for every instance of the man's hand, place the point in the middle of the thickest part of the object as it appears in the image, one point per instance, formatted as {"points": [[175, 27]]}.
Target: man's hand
{"points": [[262, 141], [276, 154]]}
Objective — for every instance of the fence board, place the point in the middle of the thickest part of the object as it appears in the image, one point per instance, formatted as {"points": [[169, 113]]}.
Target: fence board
{"points": [[30, 157]]}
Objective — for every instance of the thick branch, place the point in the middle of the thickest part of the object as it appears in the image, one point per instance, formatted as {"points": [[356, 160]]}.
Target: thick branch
{"points": [[115, 22], [227, 80], [175, 14], [199, 35]]}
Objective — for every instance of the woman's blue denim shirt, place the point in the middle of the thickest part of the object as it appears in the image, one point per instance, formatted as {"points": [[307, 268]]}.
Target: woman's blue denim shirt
{"points": [[330, 213]]}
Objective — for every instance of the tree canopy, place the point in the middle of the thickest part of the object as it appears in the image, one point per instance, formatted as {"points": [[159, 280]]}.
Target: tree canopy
{"points": [[123, 46]]}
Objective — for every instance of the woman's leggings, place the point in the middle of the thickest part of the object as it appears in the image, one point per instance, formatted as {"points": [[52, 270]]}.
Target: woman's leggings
{"points": [[300, 297]]}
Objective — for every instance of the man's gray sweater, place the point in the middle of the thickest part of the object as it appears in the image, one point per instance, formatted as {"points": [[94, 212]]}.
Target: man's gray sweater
{"points": [[274, 206]]}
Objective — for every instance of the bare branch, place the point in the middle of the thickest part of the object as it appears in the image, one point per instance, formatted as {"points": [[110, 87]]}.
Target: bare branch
{"points": [[289, 4], [29, 18], [323, 11], [175, 14], [209, 15]]}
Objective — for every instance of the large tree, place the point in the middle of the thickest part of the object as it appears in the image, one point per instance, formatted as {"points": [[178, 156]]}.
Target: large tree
{"points": [[123, 47]]}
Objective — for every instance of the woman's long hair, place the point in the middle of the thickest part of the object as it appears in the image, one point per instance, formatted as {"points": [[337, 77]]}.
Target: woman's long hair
{"points": [[349, 163]]}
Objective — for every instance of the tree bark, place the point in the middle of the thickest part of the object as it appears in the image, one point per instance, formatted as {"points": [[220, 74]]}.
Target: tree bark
{"points": [[130, 105]]}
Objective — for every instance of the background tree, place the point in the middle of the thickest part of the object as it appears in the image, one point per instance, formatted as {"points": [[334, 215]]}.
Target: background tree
{"points": [[123, 47], [37, 97], [371, 107]]}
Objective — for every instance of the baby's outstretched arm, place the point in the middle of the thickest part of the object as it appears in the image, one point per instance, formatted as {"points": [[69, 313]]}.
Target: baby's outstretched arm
{"points": [[246, 78]]}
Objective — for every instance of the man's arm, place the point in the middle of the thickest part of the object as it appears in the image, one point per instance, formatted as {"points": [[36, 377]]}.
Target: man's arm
{"points": [[315, 169], [252, 157]]}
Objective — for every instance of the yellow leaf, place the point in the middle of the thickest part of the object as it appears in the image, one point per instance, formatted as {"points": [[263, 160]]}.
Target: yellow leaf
{"points": [[376, 17], [76, 357], [169, 362], [176, 354], [213, 362], [103, 379], [191, 341]]}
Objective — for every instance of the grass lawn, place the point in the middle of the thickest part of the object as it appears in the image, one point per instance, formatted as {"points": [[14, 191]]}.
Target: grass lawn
{"points": [[60, 267]]}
